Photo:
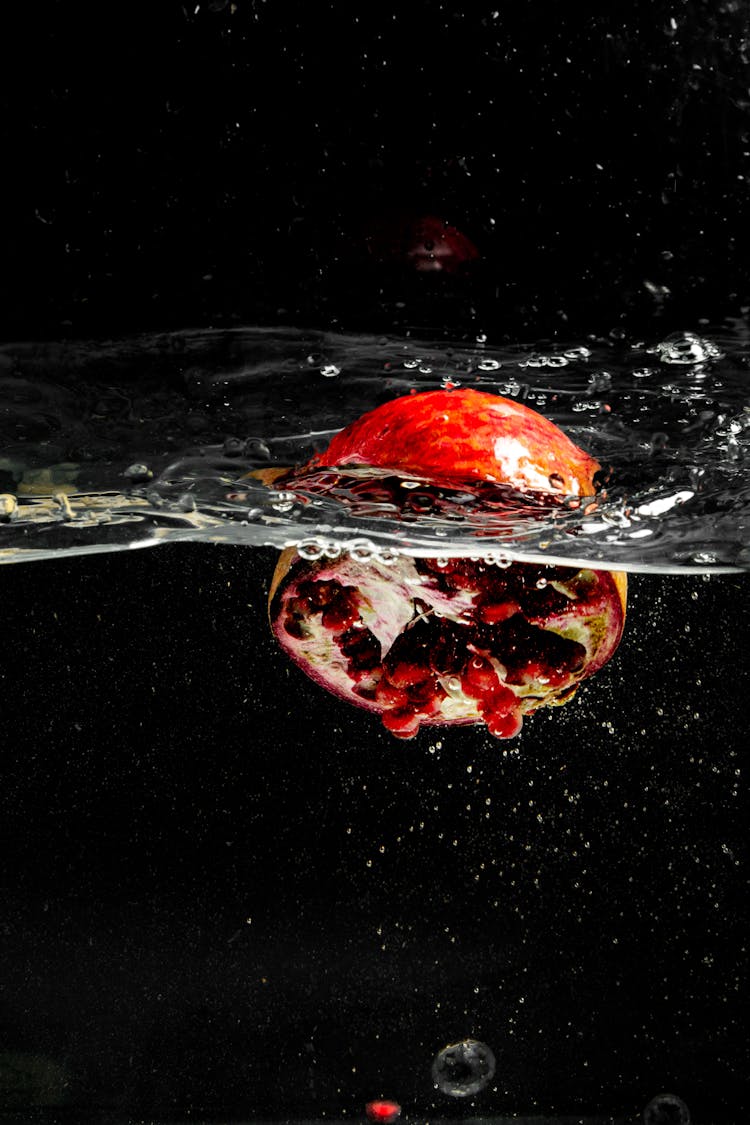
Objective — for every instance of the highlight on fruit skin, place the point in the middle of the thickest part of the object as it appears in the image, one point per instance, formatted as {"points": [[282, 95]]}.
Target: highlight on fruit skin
{"points": [[461, 437], [444, 642]]}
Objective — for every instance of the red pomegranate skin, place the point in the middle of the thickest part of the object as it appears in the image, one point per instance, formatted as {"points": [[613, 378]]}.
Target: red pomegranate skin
{"points": [[425, 243], [459, 437]]}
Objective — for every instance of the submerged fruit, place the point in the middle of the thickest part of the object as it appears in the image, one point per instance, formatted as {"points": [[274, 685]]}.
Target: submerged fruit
{"points": [[446, 641], [463, 437]]}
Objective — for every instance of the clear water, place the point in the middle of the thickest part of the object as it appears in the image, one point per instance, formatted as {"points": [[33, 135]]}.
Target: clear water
{"points": [[220, 867], [131, 443]]}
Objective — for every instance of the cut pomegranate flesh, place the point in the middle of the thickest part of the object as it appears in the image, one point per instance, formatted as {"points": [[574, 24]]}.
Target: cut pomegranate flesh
{"points": [[436, 641]]}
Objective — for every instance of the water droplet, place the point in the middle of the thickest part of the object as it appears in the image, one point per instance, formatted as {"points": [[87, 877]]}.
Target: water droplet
{"points": [[463, 1069], [186, 502], [489, 365], [138, 473], [541, 583], [666, 1109], [410, 364], [330, 370]]}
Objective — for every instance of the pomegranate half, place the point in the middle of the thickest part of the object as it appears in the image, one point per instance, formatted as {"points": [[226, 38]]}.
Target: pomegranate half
{"points": [[446, 641]]}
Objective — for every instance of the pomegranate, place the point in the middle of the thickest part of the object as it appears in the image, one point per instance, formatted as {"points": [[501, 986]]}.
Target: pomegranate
{"points": [[437, 641], [463, 437], [425, 243], [446, 641]]}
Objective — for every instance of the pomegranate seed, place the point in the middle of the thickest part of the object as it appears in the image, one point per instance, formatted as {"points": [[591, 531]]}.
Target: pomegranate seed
{"points": [[504, 724], [319, 594], [407, 674], [383, 1111], [403, 722], [501, 700], [340, 614], [390, 696], [479, 678], [495, 612]]}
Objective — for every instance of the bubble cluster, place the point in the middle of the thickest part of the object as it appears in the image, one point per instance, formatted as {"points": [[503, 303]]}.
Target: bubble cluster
{"points": [[686, 348]]}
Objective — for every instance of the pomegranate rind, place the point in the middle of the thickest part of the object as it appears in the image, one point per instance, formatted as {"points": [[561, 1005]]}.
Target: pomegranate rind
{"points": [[463, 436], [594, 618]]}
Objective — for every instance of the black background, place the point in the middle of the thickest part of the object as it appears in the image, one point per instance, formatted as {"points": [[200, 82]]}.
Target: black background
{"points": [[168, 167], [167, 776]]}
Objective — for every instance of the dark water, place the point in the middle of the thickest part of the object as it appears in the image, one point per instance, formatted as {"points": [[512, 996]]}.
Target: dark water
{"points": [[230, 893], [225, 894]]}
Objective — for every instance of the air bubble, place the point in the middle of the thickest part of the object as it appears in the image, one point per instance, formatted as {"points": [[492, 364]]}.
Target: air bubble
{"points": [[330, 370], [489, 365], [388, 555], [666, 1109], [362, 550], [310, 549], [462, 1069], [233, 447], [138, 473], [577, 353], [282, 501], [544, 361], [257, 448], [186, 502]]}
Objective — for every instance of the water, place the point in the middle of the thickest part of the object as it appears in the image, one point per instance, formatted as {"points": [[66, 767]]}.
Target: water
{"points": [[234, 895], [111, 445]]}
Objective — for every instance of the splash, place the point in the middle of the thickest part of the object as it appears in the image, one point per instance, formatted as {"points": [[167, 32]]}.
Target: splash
{"points": [[117, 445]]}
